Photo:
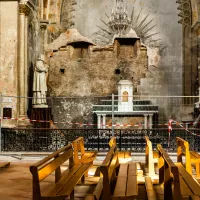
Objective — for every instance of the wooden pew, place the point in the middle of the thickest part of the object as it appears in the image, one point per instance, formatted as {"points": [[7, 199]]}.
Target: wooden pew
{"points": [[64, 182], [177, 182], [151, 157], [112, 162], [191, 157], [85, 156], [126, 179]]}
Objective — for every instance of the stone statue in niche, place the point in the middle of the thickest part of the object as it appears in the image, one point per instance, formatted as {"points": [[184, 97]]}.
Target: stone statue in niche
{"points": [[40, 83]]}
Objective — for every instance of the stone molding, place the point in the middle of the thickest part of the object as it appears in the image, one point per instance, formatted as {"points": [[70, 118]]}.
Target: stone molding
{"points": [[24, 9], [185, 12]]}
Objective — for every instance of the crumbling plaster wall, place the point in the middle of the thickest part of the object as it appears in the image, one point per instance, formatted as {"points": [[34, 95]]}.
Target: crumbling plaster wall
{"points": [[163, 75], [94, 74], [88, 72], [168, 72], [8, 53]]}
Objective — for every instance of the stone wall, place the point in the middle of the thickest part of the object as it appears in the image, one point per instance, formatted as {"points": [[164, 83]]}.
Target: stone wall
{"points": [[84, 70]]}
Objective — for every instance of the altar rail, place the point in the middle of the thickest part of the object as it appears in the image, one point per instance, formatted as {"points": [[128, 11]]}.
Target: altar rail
{"points": [[48, 140]]}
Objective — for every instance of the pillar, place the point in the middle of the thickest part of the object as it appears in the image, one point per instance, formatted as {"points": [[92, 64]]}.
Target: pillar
{"points": [[98, 121], [150, 121], [145, 121], [23, 61], [26, 59], [104, 121]]}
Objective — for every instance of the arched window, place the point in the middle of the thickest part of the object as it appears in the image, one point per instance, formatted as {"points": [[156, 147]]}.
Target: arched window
{"points": [[125, 96]]}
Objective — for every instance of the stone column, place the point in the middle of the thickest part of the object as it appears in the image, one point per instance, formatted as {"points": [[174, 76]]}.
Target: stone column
{"points": [[145, 121], [27, 11], [150, 121], [98, 121], [43, 27], [23, 11], [104, 121]]}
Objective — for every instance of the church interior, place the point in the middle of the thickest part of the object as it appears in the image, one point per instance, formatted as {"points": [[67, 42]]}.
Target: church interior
{"points": [[99, 99]]}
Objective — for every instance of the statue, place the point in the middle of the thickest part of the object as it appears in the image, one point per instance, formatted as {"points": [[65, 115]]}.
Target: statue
{"points": [[40, 83]]}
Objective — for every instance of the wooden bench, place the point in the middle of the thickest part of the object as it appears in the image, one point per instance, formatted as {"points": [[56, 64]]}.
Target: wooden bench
{"points": [[151, 157], [85, 156], [113, 185], [191, 157], [64, 181], [177, 182]]}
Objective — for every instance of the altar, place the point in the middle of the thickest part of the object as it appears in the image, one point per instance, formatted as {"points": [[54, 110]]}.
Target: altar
{"points": [[128, 112]]}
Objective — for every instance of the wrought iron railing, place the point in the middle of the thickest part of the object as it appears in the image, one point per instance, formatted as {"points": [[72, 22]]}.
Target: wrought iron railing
{"points": [[44, 140]]}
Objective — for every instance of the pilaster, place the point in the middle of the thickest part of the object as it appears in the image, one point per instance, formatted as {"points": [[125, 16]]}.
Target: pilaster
{"points": [[24, 11]]}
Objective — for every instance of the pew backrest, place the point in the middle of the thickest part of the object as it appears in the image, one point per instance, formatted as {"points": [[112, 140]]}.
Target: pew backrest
{"points": [[79, 147], [168, 174], [183, 149], [108, 169]]}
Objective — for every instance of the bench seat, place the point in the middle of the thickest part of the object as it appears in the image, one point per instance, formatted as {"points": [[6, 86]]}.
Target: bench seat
{"points": [[126, 184], [188, 185], [69, 180]]}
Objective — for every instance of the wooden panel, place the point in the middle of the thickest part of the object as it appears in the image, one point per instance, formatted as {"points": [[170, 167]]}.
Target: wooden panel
{"points": [[66, 176], [54, 164], [149, 188], [112, 166], [195, 154], [67, 189], [120, 188], [165, 156], [90, 197], [98, 189], [132, 170], [195, 197], [43, 161], [195, 187], [109, 156], [123, 169], [185, 190], [88, 157], [112, 141], [132, 187], [127, 154]]}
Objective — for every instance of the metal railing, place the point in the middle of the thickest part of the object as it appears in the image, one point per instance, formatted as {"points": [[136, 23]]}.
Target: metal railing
{"points": [[49, 140]]}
